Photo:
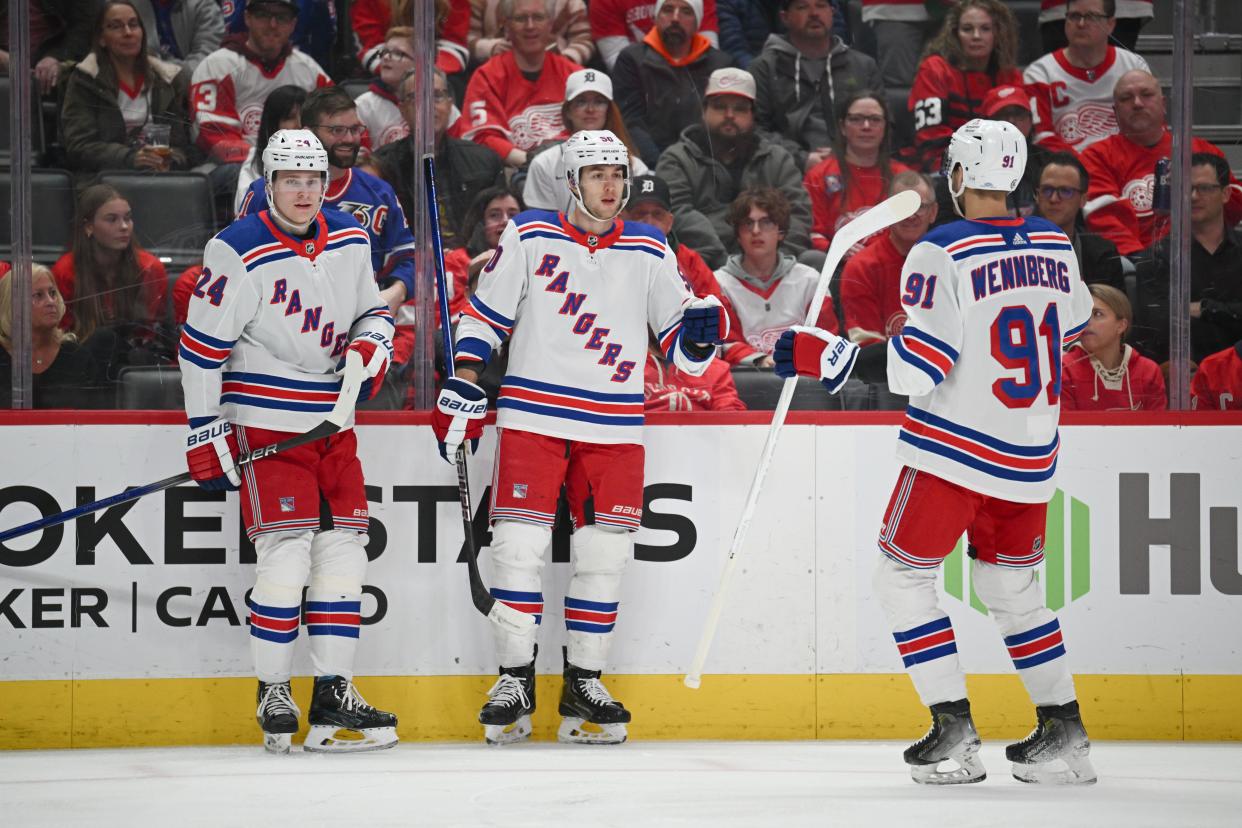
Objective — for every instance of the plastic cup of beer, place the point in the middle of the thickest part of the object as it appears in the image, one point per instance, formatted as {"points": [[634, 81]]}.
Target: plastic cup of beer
{"points": [[156, 137]]}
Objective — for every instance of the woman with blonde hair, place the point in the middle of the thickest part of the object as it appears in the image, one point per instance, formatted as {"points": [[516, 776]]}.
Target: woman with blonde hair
{"points": [[974, 52], [62, 370], [1101, 372], [588, 105]]}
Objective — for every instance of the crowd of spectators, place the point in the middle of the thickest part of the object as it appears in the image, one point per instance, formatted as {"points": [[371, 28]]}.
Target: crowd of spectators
{"points": [[756, 130]]}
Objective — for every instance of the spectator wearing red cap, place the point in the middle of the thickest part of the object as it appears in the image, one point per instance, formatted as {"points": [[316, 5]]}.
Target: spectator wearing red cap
{"points": [[1072, 88], [1132, 16], [1217, 385], [1010, 103]]}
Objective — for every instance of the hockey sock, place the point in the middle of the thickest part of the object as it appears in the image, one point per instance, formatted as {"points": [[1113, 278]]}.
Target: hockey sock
{"points": [[921, 630], [334, 600], [517, 578], [592, 598], [282, 566]]}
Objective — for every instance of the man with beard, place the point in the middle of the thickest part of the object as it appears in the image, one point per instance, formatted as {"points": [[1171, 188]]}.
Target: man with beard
{"points": [[659, 81], [719, 158], [330, 114]]}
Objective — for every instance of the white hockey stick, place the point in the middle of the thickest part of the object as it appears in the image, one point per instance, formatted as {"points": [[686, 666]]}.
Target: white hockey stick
{"points": [[885, 214]]}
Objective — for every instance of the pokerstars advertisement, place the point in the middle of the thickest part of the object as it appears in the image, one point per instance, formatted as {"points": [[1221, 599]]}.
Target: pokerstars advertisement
{"points": [[1142, 557]]}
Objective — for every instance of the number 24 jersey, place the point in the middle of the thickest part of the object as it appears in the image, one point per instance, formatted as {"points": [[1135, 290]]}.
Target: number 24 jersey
{"points": [[991, 304]]}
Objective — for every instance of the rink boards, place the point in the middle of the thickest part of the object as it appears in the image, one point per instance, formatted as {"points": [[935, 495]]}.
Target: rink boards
{"points": [[130, 627]]}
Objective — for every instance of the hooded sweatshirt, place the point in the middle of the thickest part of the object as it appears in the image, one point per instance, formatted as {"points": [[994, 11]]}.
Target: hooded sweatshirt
{"points": [[1135, 385], [764, 309]]}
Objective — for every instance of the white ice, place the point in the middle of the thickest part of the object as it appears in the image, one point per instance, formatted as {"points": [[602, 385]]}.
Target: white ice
{"points": [[826, 783]]}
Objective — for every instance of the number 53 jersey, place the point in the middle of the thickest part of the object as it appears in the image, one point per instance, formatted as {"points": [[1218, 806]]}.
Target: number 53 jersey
{"points": [[991, 304]]}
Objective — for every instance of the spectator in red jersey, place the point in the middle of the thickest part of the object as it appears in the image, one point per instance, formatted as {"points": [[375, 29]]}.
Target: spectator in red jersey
{"points": [[114, 290], [1131, 15], [974, 52], [371, 20], [871, 282], [615, 24], [1217, 385], [1059, 197], [571, 31], [1101, 372], [281, 110], [768, 291], [802, 76], [231, 84], [1072, 88], [378, 107], [661, 81], [117, 94], [1122, 168], [513, 102], [1011, 103], [668, 388], [62, 371], [842, 192]]}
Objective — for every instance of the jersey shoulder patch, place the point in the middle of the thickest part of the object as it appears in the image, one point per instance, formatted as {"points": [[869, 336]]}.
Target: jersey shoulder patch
{"points": [[246, 234]]}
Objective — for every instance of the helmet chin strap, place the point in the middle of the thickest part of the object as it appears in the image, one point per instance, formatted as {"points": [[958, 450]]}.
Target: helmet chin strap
{"points": [[957, 198]]}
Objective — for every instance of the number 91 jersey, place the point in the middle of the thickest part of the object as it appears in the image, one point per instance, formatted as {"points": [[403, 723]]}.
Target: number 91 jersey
{"points": [[991, 304]]}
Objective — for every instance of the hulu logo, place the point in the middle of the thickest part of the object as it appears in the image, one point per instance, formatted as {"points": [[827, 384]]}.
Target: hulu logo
{"points": [[1067, 556]]}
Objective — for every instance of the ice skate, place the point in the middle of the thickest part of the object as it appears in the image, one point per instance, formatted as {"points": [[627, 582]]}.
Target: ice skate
{"points": [[591, 716], [342, 722], [277, 716], [506, 716], [1056, 751], [952, 738]]}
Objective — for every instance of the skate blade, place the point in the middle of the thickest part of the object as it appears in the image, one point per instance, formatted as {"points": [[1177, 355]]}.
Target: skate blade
{"points": [[1075, 771], [968, 769], [519, 731], [581, 732], [332, 739], [277, 742]]}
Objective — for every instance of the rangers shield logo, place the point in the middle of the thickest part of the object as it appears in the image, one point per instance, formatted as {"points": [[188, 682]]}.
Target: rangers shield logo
{"points": [[519, 491], [286, 504]]}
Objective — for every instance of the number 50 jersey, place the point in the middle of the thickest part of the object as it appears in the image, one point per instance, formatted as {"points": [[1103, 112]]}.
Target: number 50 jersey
{"points": [[990, 305]]}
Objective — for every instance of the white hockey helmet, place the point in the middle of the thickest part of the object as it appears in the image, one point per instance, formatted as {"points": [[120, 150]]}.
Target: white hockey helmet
{"points": [[991, 155], [588, 148], [292, 149]]}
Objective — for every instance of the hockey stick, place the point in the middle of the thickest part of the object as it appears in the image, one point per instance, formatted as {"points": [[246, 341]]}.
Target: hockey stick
{"points": [[497, 612], [351, 382], [886, 213]]}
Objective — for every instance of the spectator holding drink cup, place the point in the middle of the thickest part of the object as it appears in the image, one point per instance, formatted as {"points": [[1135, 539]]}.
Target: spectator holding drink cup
{"points": [[124, 109]]}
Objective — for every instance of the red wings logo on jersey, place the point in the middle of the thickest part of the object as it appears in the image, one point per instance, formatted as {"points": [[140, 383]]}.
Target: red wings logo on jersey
{"points": [[1139, 193], [536, 124], [894, 324], [1091, 120], [250, 118]]}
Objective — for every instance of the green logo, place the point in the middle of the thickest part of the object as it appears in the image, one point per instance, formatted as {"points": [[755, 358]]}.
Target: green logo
{"points": [[1056, 567]]}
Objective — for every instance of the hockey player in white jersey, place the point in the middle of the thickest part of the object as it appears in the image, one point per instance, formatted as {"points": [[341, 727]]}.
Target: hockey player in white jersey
{"points": [[283, 295], [573, 295], [991, 303]]}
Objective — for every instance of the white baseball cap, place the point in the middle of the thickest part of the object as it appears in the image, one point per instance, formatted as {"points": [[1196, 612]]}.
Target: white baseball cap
{"points": [[731, 81], [587, 80]]}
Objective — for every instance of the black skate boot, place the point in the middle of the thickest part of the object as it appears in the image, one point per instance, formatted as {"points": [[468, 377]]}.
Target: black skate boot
{"points": [[585, 701], [277, 716], [506, 716], [342, 722], [952, 737], [1056, 751]]}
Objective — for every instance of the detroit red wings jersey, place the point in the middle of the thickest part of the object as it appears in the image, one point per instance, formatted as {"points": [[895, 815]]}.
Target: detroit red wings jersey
{"points": [[575, 310], [834, 203], [1055, 9], [1077, 104], [270, 317], [944, 98], [377, 108], [504, 110], [1217, 385], [227, 93], [763, 314], [1119, 197], [990, 305], [871, 293]]}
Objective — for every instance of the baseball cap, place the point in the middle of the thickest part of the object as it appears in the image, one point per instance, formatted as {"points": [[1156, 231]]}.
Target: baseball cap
{"points": [[1004, 96], [731, 81], [587, 80], [289, 4], [649, 188]]}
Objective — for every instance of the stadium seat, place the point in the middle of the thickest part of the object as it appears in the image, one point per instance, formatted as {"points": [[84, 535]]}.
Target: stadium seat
{"points": [[903, 120], [355, 87], [149, 387], [172, 213], [51, 214], [761, 389], [36, 120]]}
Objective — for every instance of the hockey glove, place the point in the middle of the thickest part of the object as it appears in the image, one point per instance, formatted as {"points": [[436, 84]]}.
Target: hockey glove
{"points": [[705, 322], [460, 409], [211, 454], [376, 352], [814, 352]]}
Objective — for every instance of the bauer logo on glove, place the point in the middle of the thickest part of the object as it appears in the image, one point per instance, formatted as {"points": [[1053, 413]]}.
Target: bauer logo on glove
{"points": [[458, 416], [814, 352]]}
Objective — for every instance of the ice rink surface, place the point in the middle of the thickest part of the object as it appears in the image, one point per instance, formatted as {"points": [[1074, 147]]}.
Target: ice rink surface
{"points": [[826, 783]]}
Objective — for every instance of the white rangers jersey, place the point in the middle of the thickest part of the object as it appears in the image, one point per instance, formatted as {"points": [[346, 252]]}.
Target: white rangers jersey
{"points": [[377, 108], [575, 309], [271, 317], [1077, 104], [991, 304]]}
